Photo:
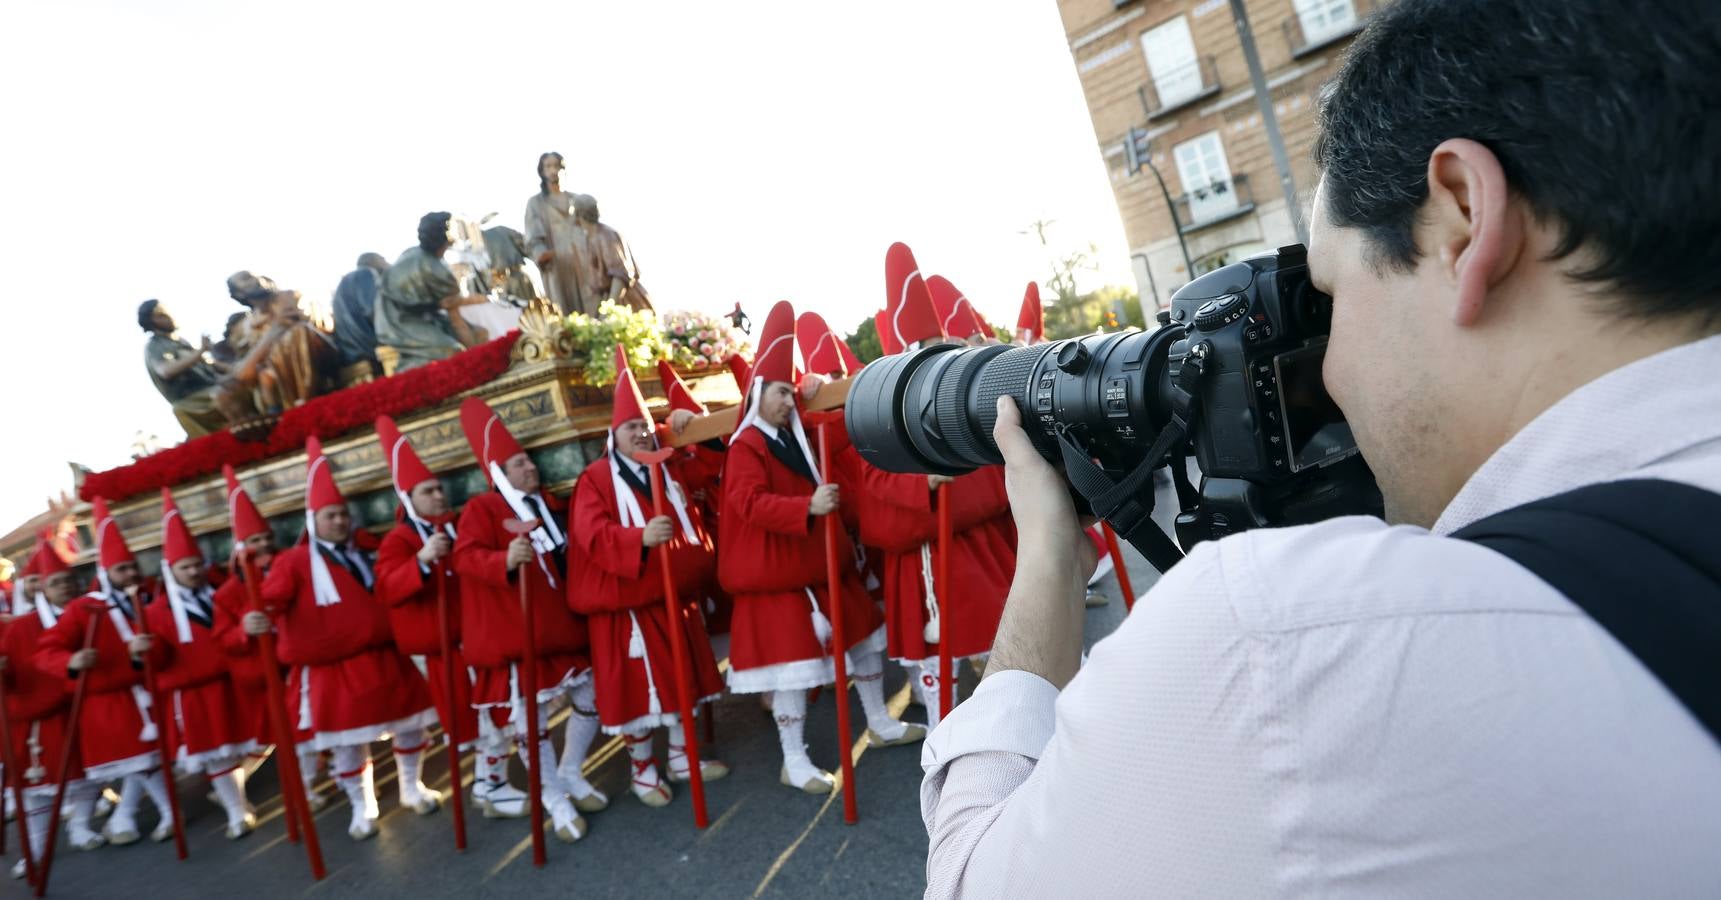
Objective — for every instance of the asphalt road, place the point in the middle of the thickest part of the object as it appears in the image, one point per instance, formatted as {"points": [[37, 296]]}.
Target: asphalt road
{"points": [[764, 840]]}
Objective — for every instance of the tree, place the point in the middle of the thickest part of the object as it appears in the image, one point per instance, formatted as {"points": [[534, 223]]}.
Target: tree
{"points": [[864, 341], [1066, 264], [1088, 313]]}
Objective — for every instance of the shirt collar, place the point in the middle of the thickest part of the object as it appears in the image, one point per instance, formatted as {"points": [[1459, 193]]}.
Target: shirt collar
{"points": [[1625, 420], [771, 431]]}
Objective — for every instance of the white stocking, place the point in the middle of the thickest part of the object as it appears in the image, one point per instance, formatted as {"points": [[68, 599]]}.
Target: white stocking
{"points": [[790, 708], [868, 675], [582, 728]]}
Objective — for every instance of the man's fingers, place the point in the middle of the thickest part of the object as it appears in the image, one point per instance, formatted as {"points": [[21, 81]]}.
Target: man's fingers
{"points": [[1007, 432]]}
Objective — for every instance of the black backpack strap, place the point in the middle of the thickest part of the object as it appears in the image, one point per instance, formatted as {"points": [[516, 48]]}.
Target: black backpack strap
{"points": [[1643, 559]]}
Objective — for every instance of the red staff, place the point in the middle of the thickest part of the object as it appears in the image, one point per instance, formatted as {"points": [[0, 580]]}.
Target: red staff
{"points": [[65, 764], [529, 686], [15, 781], [451, 728], [678, 640], [298, 807], [1118, 566], [942, 587], [833, 579], [158, 711]]}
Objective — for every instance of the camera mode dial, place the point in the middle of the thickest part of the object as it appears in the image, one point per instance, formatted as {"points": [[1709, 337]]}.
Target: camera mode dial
{"points": [[1220, 311]]}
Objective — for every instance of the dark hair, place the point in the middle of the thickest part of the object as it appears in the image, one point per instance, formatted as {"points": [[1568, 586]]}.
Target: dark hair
{"points": [[145, 313], [1605, 116], [544, 183], [433, 231]]}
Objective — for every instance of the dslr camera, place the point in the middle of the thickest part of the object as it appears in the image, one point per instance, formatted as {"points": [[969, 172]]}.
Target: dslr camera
{"points": [[1230, 377]]}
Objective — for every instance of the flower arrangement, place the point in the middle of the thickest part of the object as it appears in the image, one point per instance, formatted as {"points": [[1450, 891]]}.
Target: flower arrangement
{"points": [[698, 340], [326, 416], [638, 331]]}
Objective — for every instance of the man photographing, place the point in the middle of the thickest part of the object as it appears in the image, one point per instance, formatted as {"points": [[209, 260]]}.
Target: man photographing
{"points": [[1517, 219]]}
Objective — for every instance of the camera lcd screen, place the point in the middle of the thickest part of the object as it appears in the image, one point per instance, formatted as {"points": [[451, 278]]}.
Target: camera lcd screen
{"points": [[1315, 429]]}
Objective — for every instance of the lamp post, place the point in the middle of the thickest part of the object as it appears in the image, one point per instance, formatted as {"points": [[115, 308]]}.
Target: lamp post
{"points": [[1138, 151]]}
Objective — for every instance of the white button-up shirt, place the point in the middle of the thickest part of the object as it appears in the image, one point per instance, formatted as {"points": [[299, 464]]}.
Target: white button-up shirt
{"points": [[1357, 709]]}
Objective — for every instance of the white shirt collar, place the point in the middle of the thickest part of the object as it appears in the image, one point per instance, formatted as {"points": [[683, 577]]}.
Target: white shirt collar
{"points": [[1627, 419]]}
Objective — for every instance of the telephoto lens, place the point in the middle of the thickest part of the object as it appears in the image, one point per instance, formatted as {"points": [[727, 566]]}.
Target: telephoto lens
{"points": [[932, 410]]}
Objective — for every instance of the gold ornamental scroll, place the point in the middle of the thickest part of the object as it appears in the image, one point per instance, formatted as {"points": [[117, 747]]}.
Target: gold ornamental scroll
{"points": [[721, 424]]}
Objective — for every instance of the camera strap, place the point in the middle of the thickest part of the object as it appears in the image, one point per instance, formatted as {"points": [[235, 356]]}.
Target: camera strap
{"points": [[1641, 558], [1127, 504]]}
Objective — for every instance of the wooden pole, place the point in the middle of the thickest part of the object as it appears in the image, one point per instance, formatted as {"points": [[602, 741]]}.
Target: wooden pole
{"points": [[946, 668], [839, 649], [298, 806], [678, 641], [450, 728], [15, 781], [158, 709], [65, 763], [529, 687], [1118, 566]]}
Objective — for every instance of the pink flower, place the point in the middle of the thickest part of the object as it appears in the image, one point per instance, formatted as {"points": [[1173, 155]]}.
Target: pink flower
{"points": [[680, 328], [707, 349]]}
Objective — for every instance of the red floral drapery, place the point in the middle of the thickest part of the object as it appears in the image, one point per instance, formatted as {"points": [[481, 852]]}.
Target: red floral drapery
{"points": [[326, 417]]}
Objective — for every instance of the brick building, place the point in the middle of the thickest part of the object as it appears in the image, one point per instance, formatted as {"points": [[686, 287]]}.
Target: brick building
{"points": [[1166, 81]]}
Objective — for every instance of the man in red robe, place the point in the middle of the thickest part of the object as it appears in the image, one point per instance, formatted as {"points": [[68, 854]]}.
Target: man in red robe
{"points": [[901, 518], [247, 669], [490, 560], [212, 735], [116, 728], [772, 560], [37, 701], [416, 557], [616, 547], [351, 684]]}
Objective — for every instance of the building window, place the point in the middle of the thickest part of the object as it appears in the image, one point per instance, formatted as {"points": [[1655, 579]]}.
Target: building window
{"points": [[1171, 60], [1322, 19], [1206, 177]]}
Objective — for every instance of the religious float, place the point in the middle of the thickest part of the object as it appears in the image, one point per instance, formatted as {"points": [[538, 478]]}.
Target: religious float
{"points": [[550, 380]]}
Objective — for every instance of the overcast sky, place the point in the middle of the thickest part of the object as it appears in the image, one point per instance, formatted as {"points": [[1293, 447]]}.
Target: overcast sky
{"points": [[748, 151]]}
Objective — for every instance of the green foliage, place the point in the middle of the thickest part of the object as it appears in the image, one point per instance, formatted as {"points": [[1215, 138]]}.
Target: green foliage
{"points": [[1087, 313], [864, 341], [637, 331]]}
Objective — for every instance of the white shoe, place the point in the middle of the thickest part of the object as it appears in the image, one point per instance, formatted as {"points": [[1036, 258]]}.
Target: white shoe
{"points": [[246, 825], [362, 829], [566, 822], [89, 840], [18, 868], [589, 800], [807, 777], [163, 832], [648, 787], [502, 801], [316, 801], [896, 734], [423, 801], [709, 769], [121, 833]]}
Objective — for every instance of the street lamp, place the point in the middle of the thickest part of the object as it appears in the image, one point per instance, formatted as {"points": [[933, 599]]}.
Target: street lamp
{"points": [[1138, 152]]}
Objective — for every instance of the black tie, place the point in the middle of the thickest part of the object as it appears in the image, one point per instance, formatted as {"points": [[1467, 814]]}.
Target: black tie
{"points": [[198, 608], [561, 552], [789, 451], [339, 554], [636, 477]]}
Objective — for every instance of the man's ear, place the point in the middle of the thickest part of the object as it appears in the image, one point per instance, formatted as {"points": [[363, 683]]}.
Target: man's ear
{"points": [[1476, 233]]}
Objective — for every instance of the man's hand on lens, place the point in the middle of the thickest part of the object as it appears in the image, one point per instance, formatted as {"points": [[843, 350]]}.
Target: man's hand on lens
{"points": [[1041, 630]]}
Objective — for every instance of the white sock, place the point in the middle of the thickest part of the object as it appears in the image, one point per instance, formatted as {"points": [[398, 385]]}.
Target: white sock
{"points": [[230, 790], [38, 809], [678, 747], [124, 817], [790, 708], [308, 760], [577, 740], [550, 782], [925, 678], [82, 794], [353, 773], [409, 761], [868, 675], [155, 785], [645, 778]]}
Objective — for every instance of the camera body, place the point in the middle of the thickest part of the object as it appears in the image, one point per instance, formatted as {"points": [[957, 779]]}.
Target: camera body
{"points": [[1233, 374]]}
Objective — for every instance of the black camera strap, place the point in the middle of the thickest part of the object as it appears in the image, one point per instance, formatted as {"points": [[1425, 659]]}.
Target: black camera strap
{"points": [[1127, 504], [1643, 559]]}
